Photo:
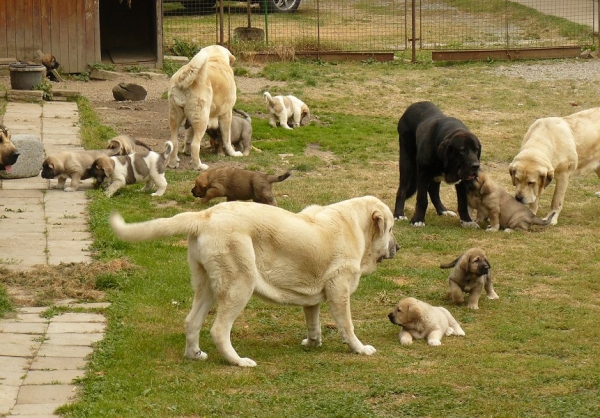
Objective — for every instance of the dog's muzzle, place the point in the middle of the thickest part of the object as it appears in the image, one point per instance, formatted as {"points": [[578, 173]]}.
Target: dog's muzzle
{"points": [[391, 318]]}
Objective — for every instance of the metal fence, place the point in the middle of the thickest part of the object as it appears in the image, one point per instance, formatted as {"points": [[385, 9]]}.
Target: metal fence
{"points": [[385, 25]]}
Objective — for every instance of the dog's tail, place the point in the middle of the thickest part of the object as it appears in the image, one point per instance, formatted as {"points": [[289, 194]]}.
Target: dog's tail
{"points": [[268, 98], [539, 221], [168, 150], [243, 114], [186, 75], [186, 223], [141, 144], [275, 179], [450, 265]]}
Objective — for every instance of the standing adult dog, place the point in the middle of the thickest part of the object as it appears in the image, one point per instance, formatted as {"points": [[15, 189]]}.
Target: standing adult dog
{"points": [[237, 249], [8, 151], [434, 147], [556, 148], [203, 93]]}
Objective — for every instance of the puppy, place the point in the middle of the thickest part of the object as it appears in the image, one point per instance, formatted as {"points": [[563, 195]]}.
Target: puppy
{"points": [[420, 320], [148, 166], [471, 274], [236, 184], [125, 144], [241, 135], [49, 61], [503, 210], [284, 109], [8, 151], [73, 165]]}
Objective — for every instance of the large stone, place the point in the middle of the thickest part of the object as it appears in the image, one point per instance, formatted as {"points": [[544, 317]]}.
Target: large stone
{"points": [[129, 91], [29, 163]]}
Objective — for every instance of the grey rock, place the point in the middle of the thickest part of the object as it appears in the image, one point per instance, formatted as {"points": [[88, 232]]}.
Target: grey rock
{"points": [[129, 91], [29, 163]]}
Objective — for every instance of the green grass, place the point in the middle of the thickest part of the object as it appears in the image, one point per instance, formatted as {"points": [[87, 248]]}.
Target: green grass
{"points": [[532, 353]]}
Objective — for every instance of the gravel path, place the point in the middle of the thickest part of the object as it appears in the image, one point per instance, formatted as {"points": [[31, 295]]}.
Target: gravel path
{"points": [[553, 70]]}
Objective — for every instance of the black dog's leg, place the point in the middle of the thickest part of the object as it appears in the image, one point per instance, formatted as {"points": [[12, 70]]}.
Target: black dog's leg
{"points": [[463, 206], [434, 195], [423, 185], [406, 189]]}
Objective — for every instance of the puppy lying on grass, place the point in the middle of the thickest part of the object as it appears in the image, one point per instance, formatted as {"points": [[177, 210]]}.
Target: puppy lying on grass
{"points": [[236, 184], [420, 320], [117, 171]]}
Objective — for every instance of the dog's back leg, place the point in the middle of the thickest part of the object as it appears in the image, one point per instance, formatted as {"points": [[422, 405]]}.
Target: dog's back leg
{"points": [[225, 127], [203, 302]]}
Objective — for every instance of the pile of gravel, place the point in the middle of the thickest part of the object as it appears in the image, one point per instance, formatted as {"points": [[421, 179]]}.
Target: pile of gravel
{"points": [[553, 70]]}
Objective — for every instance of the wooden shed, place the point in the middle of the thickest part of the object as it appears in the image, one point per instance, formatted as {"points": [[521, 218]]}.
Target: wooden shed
{"points": [[80, 33]]}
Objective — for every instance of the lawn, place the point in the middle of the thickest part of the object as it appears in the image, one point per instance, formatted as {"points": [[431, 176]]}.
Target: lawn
{"points": [[531, 353]]}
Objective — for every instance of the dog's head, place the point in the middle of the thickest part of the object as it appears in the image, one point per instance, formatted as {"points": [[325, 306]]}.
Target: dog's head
{"points": [[304, 115], [460, 152], [201, 185], [530, 177], [120, 145], [101, 169], [383, 242], [8, 151], [49, 61], [52, 167], [407, 312], [475, 262]]}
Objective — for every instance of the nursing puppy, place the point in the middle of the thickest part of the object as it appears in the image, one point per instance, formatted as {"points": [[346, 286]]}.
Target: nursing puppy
{"points": [[285, 109], [241, 134], [420, 320], [556, 148], [125, 144], [203, 93], [236, 184], [72, 165], [470, 274], [491, 201], [8, 151], [434, 147], [240, 249], [147, 166]]}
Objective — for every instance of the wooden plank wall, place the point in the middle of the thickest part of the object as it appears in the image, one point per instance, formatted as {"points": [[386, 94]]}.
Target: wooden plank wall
{"points": [[66, 28]]}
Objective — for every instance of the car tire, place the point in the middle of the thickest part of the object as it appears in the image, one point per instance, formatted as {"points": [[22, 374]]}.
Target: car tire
{"points": [[281, 6]]}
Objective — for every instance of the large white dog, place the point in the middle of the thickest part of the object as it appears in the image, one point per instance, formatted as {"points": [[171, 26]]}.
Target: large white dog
{"points": [[203, 93], [237, 249], [556, 148]]}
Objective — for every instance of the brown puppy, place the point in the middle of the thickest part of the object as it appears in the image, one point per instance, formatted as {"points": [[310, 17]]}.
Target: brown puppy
{"points": [[419, 320], [8, 151], [503, 210], [471, 274], [73, 165], [125, 144], [236, 184]]}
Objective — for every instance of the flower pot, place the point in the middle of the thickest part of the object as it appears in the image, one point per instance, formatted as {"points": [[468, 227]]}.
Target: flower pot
{"points": [[25, 76]]}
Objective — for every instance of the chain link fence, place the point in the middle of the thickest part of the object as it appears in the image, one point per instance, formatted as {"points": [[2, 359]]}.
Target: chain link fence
{"points": [[381, 25]]}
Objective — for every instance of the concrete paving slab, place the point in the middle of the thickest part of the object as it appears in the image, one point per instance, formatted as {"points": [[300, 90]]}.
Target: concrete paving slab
{"points": [[76, 318], [33, 318], [42, 410], [8, 398], [86, 339], [23, 328], [64, 351], [52, 377], [13, 364], [57, 363], [19, 338], [18, 350], [11, 378], [83, 327]]}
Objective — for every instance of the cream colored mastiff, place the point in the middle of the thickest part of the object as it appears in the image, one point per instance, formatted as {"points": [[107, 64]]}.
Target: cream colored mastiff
{"points": [[237, 249], [556, 148]]}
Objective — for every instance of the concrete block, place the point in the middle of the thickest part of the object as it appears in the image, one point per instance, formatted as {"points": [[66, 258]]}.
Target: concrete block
{"points": [[30, 161], [104, 75]]}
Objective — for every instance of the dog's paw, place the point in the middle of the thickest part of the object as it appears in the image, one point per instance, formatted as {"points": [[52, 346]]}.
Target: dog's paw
{"points": [[197, 355], [471, 224], [418, 224], [307, 342], [508, 230], [474, 307], [597, 194], [491, 228], [367, 350], [238, 154], [434, 342], [70, 189], [459, 332], [493, 296], [406, 340], [401, 218], [449, 213], [449, 331], [202, 167], [246, 362]]}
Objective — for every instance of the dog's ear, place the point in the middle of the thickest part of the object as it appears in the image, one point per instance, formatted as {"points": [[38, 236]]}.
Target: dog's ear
{"points": [[444, 149], [379, 220], [512, 171], [464, 261], [413, 312]]}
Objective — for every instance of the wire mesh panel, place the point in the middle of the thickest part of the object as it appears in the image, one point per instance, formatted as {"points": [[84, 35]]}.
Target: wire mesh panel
{"points": [[490, 24], [380, 25]]}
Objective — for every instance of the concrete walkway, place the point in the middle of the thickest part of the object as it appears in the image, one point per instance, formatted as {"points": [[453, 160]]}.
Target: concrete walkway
{"points": [[39, 357], [40, 225]]}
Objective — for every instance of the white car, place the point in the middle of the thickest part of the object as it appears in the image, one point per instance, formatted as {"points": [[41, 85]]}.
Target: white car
{"points": [[208, 6]]}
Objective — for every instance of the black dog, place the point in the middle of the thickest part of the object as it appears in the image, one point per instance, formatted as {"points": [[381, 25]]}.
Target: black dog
{"points": [[434, 147]]}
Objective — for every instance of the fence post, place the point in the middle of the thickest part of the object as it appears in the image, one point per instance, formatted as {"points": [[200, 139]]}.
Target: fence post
{"points": [[414, 32]]}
